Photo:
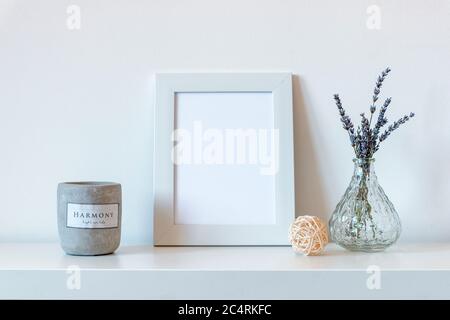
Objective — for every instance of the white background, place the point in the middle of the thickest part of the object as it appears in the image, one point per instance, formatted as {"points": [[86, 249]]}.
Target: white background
{"points": [[78, 105]]}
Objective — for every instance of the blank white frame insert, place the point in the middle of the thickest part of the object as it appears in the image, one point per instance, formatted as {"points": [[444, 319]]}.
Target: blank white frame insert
{"points": [[215, 184]]}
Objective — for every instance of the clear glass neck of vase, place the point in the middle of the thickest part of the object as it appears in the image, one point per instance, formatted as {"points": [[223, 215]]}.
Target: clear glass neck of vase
{"points": [[364, 168]]}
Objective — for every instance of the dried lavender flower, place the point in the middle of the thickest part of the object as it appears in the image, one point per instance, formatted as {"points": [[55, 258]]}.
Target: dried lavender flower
{"points": [[346, 121], [395, 126], [379, 83], [366, 140], [377, 91], [382, 120]]}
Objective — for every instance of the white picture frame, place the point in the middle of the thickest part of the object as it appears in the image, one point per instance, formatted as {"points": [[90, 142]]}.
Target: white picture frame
{"points": [[181, 94]]}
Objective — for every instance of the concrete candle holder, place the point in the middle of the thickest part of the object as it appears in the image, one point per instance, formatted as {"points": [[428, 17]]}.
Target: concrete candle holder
{"points": [[89, 217]]}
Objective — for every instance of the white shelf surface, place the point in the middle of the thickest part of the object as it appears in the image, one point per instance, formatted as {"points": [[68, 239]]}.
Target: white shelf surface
{"points": [[144, 272]]}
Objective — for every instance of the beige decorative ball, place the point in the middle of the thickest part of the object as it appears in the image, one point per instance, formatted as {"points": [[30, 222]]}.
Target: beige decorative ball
{"points": [[308, 235]]}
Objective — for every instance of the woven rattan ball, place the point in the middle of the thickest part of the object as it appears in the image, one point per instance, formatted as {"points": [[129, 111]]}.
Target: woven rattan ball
{"points": [[308, 235]]}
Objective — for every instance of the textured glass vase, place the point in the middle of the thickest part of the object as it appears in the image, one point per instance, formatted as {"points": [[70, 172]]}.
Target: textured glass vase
{"points": [[365, 219]]}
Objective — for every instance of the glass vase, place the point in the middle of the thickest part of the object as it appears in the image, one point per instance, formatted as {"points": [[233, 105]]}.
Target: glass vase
{"points": [[365, 219]]}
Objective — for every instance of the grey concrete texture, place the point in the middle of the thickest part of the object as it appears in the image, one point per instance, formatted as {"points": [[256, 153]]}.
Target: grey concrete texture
{"points": [[89, 242]]}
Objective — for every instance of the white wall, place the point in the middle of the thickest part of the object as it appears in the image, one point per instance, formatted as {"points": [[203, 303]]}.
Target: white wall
{"points": [[77, 105]]}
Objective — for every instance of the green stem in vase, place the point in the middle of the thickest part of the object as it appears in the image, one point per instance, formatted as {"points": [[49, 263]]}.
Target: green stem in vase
{"points": [[363, 206]]}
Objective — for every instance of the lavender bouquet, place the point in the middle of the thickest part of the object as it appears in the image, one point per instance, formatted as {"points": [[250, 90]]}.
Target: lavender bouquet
{"points": [[365, 219], [366, 140]]}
